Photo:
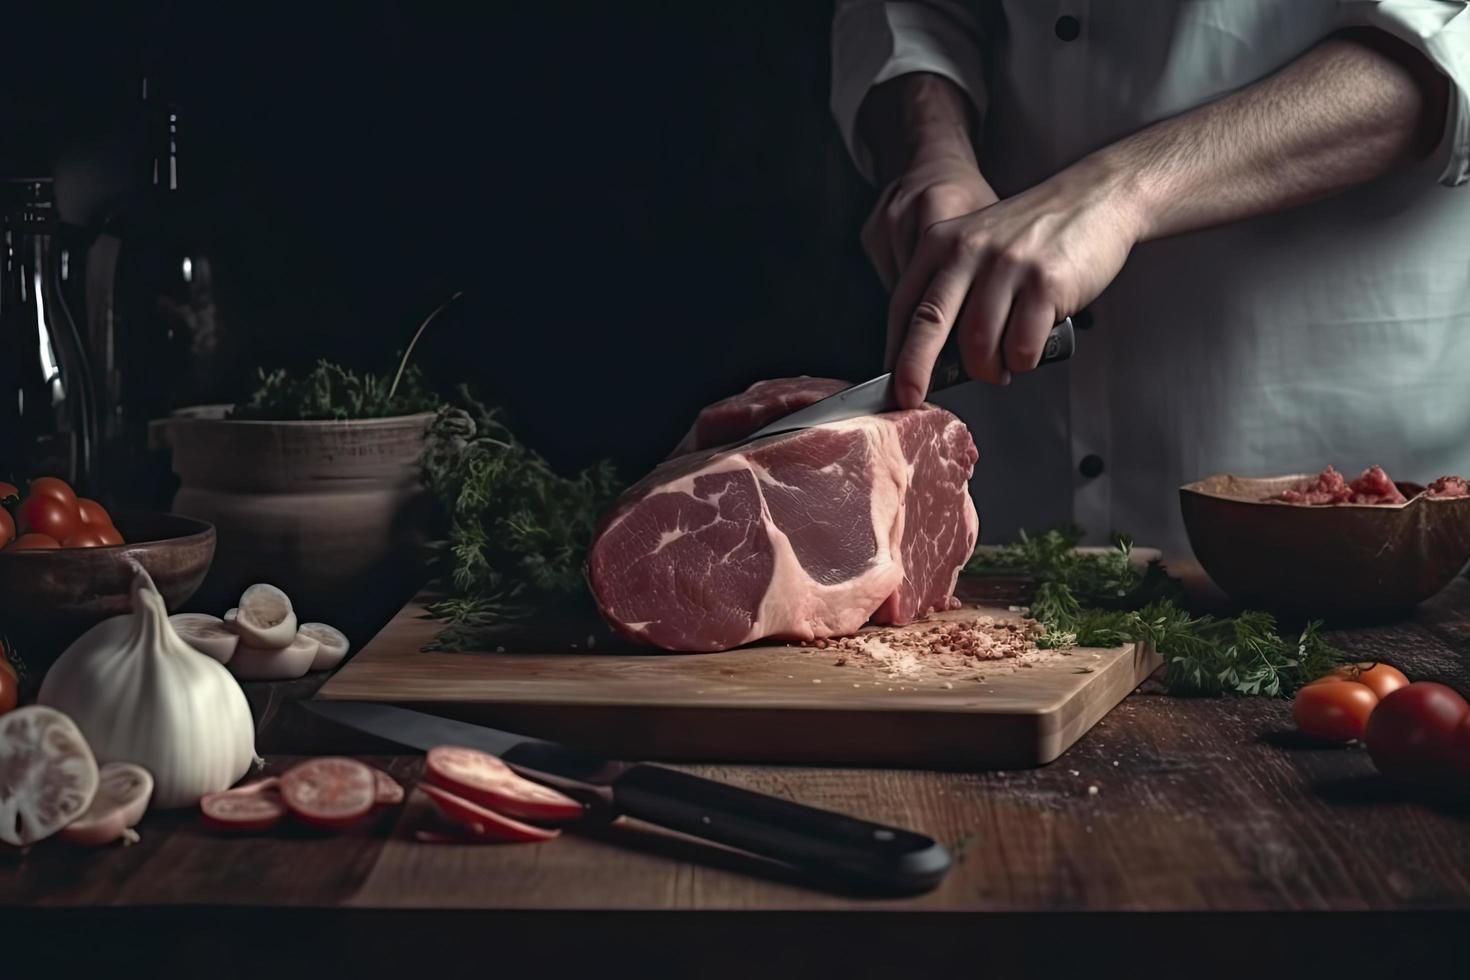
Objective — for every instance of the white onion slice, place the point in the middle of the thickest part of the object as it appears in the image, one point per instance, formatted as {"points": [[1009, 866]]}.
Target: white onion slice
{"points": [[252, 663], [333, 646], [265, 619], [48, 774], [207, 634], [123, 792], [231, 613]]}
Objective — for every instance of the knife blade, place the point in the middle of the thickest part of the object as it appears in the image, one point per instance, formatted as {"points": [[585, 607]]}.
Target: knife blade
{"points": [[877, 395], [823, 843]]}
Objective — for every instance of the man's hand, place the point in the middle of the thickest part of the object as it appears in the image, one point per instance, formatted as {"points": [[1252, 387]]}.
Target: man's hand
{"points": [[1352, 108], [1004, 275], [942, 181]]}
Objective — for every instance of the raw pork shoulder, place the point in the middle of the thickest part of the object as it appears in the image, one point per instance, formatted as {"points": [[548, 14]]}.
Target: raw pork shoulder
{"points": [[797, 536]]}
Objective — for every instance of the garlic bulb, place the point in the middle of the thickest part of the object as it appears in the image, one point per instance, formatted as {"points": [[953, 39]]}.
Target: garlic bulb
{"points": [[140, 694]]}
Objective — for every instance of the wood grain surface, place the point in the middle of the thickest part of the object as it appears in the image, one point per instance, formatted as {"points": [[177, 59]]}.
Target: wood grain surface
{"points": [[763, 703], [1208, 809]]}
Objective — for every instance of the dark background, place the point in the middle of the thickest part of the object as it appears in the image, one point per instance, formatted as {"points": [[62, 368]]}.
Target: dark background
{"points": [[648, 205]]}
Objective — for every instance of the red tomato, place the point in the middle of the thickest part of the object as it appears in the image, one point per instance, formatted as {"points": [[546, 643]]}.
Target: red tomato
{"points": [[484, 779], [33, 542], [85, 537], [1413, 731], [330, 792], [1336, 712], [7, 528], [1382, 678], [46, 515], [7, 490], [109, 535], [482, 822], [91, 512], [50, 486], [9, 684]]}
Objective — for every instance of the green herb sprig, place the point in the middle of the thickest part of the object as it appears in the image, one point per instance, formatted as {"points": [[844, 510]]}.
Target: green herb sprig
{"points": [[1103, 600], [331, 392], [518, 531]]}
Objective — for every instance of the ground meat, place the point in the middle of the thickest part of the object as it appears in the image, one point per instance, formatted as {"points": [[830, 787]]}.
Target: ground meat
{"points": [[1449, 486], [1372, 487]]}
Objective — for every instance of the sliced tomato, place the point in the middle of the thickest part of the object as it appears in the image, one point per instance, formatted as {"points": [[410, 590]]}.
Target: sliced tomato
{"points": [[486, 780], [247, 809], [483, 823], [330, 792], [389, 790]]}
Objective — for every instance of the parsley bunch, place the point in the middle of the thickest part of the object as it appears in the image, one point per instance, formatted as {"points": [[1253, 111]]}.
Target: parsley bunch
{"points": [[518, 531], [1102, 600]]}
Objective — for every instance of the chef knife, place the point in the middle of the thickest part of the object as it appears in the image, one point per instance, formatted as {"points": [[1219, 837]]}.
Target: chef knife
{"points": [[820, 842], [877, 395]]}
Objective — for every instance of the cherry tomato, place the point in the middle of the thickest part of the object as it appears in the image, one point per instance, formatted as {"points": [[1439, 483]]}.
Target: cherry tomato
{"points": [[85, 537], [31, 542], [9, 683], [91, 512], [1462, 750], [46, 515], [1336, 712], [7, 527], [7, 490], [109, 535], [50, 486], [1412, 732], [1382, 678]]}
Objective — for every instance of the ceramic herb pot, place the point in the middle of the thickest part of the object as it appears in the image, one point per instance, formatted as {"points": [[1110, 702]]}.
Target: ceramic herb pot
{"points": [[333, 512]]}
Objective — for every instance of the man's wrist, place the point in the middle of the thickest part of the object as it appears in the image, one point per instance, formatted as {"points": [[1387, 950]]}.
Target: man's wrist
{"points": [[1120, 175], [919, 116]]}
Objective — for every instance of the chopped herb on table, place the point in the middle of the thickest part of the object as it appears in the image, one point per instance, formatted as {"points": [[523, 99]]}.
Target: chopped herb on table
{"points": [[1101, 600]]}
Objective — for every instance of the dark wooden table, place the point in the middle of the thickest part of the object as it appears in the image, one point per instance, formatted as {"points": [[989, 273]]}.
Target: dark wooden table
{"points": [[1179, 837]]}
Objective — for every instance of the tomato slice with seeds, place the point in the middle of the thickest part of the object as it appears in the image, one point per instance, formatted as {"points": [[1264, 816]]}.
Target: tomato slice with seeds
{"points": [[483, 823], [482, 778], [330, 792], [388, 790], [246, 809]]}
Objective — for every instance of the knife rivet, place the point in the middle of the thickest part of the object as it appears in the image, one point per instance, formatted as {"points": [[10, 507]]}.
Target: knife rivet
{"points": [[883, 835], [705, 821]]}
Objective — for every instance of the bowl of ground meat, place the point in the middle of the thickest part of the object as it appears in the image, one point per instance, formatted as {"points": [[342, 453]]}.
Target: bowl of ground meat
{"points": [[1366, 549]]}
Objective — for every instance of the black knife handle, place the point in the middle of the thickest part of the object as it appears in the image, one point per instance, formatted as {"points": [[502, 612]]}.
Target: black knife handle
{"points": [[827, 844], [1061, 344]]}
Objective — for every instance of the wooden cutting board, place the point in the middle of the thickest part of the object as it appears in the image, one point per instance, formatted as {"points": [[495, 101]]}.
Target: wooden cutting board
{"points": [[764, 703]]}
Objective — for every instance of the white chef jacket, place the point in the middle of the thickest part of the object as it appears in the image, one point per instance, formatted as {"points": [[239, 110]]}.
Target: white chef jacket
{"points": [[1333, 333]]}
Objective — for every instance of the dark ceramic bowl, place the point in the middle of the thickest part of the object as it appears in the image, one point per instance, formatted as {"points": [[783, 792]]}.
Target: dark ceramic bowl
{"points": [[1345, 562], [49, 598]]}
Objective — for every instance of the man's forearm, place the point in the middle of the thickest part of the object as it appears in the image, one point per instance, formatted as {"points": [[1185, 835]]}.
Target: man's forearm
{"points": [[1349, 110], [910, 116]]}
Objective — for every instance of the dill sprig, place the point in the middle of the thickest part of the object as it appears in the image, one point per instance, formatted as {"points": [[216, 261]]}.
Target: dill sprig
{"points": [[1103, 600]]}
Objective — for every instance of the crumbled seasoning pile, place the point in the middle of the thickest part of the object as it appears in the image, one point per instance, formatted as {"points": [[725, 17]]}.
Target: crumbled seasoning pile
{"points": [[940, 646]]}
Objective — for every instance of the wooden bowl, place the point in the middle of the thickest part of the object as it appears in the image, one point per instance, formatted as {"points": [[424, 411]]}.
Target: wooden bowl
{"points": [[1342, 562], [49, 598]]}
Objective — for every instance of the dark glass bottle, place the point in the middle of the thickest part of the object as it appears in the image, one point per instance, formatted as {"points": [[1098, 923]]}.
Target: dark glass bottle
{"points": [[154, 319], [48, 421]]}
